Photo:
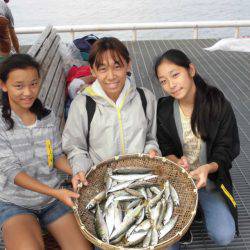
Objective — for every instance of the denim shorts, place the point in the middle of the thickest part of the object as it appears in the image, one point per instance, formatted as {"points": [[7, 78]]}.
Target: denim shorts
{"points": [[45, 216]]}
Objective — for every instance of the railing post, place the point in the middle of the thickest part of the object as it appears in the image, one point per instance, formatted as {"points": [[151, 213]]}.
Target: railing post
{"points": [[195, 33], [237, 32], [72, 35], [134, 35]]}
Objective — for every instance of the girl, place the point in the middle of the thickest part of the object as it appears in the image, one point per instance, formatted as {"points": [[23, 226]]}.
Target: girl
{"points": [[119, 124], [30, 147], [196, 128]]}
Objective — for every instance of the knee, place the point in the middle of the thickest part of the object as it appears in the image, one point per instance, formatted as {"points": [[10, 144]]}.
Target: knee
{"points": [[223, 237]]}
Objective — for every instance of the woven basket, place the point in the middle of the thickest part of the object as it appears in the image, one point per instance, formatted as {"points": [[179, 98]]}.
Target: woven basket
{"points": [[177, 176]]}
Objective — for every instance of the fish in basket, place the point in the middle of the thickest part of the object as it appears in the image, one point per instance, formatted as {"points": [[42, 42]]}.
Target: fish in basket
{"points": [[136, 202]]}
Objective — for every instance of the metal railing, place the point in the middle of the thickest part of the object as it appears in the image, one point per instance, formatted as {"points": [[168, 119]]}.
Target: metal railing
{"points": [[135, 27]]}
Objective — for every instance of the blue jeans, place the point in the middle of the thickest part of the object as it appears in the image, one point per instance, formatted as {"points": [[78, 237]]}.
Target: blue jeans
{"points": [[218, 218], [46, 215]]}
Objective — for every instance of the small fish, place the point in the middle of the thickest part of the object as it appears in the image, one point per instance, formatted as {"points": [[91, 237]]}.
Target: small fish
{"points": [[140, 184], [174, 195], [119, 186], [133, 204], [162, 213], [128, 220], [118, 214], [97, 199], [130, 231], [156, 198], [125, 198], [135, 238], [154, 237], [143, 192], [169, 212], [144, 226], [147, 239], [155, 190], [132, 170], [110, 218], [168, 227], [166, 189], [134, 192], [129, 177], [155, 213], [101, 226], [109, 201], [107, 179], [141, 217]]}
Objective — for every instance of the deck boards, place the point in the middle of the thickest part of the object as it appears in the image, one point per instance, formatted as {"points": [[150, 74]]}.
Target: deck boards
{"points": [[229, 71]]}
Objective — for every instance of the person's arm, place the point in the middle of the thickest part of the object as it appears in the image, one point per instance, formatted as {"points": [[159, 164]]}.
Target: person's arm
{"points": [[62, 164], [25, 181], [74, 137], [14, 39], [151, 145], [225, 148]]}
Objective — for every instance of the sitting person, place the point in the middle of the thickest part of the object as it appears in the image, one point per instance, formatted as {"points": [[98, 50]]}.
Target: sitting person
{"points": [[196, 128], [31, 196], [7, 31], [116, 104]]}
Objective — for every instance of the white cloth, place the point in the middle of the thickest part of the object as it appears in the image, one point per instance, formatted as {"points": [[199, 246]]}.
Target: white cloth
{"points": [[231, 44]]}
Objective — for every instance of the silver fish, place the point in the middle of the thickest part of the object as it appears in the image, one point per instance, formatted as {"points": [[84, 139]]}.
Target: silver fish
{"points": [[133, 204], [130, 231], [135, 238], [162, 213], [129, 177], [132, 170], [147, 239], [118, 214], [134, 192], [143, 192], [107, 179], [109, 201], [174, 195], [139, 184], [141, 217], [144, 226], [166, 189], [125, 198], [154, 200], [127, 222], [155, 213], [101, 226], [149, 193], [97, 199], [120, 186], [155, 190], [168, 227], [110, 218], [117, 240], [154, 237], [169, 212]]}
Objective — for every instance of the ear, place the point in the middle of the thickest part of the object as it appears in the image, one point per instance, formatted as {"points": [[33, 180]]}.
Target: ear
{"points": [[3, 86], [129, 67], [93, 72], [192, 70]]}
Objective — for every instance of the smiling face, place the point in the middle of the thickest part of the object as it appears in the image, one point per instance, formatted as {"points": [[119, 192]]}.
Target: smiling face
{"points": [[22, 87], [177, 81], [111, 73]]}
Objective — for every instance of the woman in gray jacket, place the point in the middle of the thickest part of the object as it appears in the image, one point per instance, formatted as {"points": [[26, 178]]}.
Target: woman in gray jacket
{"points": [[123, 117]]}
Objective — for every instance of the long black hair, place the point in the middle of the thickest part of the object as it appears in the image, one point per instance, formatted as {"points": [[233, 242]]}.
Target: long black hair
{"points": [[208, 99], [18, 61]]}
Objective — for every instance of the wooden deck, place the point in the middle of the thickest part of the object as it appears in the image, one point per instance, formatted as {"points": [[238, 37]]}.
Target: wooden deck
{"points": [[229, 71]]}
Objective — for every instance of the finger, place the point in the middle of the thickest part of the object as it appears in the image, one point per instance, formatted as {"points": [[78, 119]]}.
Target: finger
{"points": [[74, 183], [83, 178], [152, 153], [74, 195]]}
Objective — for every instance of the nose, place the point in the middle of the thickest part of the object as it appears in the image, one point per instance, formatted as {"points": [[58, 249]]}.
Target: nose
{"points": [[110, 74], [27, 91], [172, 83]]}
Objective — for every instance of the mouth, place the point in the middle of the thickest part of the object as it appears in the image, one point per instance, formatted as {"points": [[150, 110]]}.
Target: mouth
{"points": [[176, 92], [27, 100]]}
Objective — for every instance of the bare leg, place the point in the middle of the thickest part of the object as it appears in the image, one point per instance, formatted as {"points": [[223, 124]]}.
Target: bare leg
{"points": [[67, 233], [22, 232]]}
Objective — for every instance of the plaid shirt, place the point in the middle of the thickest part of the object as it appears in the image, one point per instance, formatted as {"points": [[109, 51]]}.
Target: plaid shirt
{"points": [[30, 150]]}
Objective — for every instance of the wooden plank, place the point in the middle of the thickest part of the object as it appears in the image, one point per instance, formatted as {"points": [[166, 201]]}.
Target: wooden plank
{"points": [[36, 47], [46, 46], [54, 85], [60, 94], [49, 77], [48, 59]]}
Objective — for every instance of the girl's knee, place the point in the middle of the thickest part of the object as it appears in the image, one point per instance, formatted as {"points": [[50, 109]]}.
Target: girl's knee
{"points": [[223, 237]]}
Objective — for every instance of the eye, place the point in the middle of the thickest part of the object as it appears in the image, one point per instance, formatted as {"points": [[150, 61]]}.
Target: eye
{"points": [[117, 66], [34, 83], [102, 69], [18, 86], [175, 75], [163, 82]]}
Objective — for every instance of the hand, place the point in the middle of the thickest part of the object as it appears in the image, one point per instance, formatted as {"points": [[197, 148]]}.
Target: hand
{"points": [[183, 161], [79, 177], [66, 196], [152, 153], [200, 174]]}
